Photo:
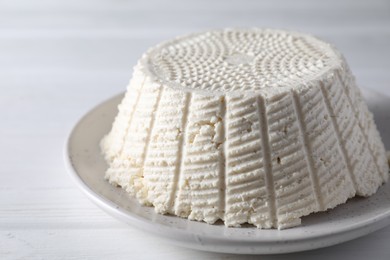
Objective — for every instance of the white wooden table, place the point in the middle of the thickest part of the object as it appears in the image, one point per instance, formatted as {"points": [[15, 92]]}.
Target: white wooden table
{"points": [[58, 59]]}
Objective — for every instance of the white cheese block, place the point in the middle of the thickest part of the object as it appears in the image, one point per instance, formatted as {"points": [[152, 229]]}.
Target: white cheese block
{"points": [[247, 126]]}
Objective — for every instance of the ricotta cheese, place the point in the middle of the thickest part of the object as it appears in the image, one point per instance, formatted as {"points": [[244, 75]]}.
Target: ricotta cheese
{"points": [[247, 126]]}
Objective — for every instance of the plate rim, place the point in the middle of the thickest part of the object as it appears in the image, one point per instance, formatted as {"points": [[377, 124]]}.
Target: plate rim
{"points": [[187, 239]]}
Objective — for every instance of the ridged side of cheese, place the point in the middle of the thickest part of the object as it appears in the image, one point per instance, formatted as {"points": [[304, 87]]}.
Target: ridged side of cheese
{"points": [[126, 170], [295, 193], [199, 193], [247, 197], [162, 164], [202, 157], [358, 154], [366, 121], [329, 172]]}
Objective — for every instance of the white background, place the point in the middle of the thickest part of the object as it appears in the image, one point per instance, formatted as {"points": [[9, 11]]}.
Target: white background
{"points": [[58, 59]]}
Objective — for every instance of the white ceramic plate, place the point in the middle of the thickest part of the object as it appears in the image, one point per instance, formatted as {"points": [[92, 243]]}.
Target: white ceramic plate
{"points": [[358, 217]]}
